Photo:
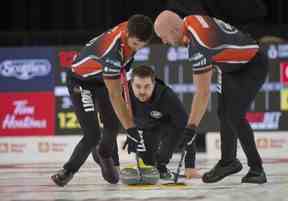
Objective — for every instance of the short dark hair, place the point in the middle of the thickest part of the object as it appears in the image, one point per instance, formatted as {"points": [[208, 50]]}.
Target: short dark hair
{"points": [[143, 72], [141, 27]]}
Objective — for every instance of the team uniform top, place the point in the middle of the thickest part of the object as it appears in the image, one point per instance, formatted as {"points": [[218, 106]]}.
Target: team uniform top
{"points": [[213, 41], [163, 107], [104, 56]]}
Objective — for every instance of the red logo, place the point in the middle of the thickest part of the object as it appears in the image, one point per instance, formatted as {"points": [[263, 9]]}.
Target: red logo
{"points": [[27, 114], [255, 117], [284, 73], [66, 58], [264, 120]]}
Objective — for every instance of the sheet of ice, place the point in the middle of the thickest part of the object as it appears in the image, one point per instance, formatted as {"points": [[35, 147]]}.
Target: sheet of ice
{"points": [[31, 182]]}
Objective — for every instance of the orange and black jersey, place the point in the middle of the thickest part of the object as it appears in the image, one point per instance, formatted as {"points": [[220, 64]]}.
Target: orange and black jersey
{"points": [[104, 56], [213, 41]]}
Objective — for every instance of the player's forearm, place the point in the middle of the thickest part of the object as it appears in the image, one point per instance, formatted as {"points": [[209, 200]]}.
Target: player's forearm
{"points": [[198, 108], [121, 110]]}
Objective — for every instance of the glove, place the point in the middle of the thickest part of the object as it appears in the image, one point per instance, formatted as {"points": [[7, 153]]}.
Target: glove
{"points": [[135, 140], [188, 137]]}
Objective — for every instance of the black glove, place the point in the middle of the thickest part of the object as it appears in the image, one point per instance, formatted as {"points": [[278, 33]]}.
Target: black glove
{"points": [[135, 140], [188, 137]]}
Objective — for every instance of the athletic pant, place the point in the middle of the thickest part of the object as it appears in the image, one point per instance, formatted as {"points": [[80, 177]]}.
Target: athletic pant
{"points": [[238, 91], [89, 100], [160, 143]]}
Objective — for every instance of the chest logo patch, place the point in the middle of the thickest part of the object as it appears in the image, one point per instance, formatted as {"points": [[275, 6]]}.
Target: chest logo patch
{"points": [[156, 114]]}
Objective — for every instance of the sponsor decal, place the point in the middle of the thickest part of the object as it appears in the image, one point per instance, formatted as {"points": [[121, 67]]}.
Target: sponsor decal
{"points": [[227, 28], [155, 114], [264, 120], [12, 147], [25, 69], [196, 56], [113, 62], [27, 113], [45, 147]]}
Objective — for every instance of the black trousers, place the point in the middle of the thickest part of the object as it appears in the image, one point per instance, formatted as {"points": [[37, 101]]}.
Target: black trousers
{"points": [[160, 142], [239, 89], [89, 100]]}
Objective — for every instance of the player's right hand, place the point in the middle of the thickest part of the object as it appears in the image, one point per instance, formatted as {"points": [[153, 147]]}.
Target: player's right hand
{"points": [[188, 137], [135, 140]]}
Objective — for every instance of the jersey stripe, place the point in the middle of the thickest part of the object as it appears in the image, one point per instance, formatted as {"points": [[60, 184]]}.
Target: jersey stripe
{"points": [[235, 55], [86, 67]]}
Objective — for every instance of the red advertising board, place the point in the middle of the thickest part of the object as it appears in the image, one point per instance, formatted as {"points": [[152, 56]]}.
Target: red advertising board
{"points": [[284, 73], [26, 114]]}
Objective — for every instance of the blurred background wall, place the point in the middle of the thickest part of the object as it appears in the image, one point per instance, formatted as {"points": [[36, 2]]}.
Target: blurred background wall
{"points": [[59, 22]]}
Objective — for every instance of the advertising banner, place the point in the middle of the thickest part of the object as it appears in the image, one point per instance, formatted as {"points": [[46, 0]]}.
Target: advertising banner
{"points": [[26, 69], [26, 113]]}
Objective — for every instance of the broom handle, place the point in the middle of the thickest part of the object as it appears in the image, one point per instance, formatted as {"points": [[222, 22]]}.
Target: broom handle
{"points": [[182, 158], [128, 103]]}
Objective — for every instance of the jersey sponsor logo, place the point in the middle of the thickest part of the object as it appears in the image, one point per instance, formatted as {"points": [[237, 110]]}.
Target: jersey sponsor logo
{"points": [[202, 62], [113, 62], [156, 114], [87, 101], [227, 28], [111, 70], [25, 69], [196, 56]]}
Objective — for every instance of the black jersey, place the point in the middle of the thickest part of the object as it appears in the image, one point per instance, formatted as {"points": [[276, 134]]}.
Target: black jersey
{"points": [[163, 107]]}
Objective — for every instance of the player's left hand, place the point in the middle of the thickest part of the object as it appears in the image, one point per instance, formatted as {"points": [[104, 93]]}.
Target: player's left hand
{"points": [[192, 173]]}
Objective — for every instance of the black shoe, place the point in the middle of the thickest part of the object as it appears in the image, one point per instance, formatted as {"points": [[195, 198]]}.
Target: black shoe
{"points": [[255, 177], [164, 172], [220, 171], [108, 170], [62, 177]]}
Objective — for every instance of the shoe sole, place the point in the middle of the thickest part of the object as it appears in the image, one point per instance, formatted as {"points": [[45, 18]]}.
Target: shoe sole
{"points": [[55, 180], [223, 176]]}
